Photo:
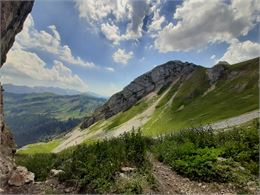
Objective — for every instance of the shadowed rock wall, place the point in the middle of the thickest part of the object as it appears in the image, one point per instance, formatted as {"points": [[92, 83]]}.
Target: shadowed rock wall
{"points": [[13, 15]]}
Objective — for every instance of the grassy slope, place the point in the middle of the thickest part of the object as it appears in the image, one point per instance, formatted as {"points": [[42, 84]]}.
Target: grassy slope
{"points": [[124, 116], [42, 147], [229, 98]]}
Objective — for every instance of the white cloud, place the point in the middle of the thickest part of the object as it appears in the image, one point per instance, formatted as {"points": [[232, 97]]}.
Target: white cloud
{"points": [[31, 38], [100, 13], [110, 69], [121, 56], [213, 57], [241, 51], [200, 22], [156, 24], [111, 32], [28, 68]]}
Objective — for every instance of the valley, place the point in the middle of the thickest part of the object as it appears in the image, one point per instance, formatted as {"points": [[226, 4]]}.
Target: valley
{"points": [[37, 117]]}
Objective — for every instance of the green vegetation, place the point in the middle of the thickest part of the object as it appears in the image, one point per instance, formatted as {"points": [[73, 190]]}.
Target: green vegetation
{"points": [[234, 94], [95, 168], [42, 147], [128, 114], [39, 117], [200, 154], [229, 156]]}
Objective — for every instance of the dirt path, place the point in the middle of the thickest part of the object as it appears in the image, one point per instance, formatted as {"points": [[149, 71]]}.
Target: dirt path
{"points": [[169, 182]]}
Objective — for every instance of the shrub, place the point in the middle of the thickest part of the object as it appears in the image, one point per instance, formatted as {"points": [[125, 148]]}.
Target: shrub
{"points": [[94, 168], [201, 154], [40, 164]]}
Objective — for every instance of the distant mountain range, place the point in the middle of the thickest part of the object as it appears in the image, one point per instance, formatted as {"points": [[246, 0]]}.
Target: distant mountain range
{"points": [[18, 89]]}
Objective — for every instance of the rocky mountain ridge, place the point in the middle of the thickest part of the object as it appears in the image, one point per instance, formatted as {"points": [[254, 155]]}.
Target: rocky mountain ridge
{"points": [[151, 81]]}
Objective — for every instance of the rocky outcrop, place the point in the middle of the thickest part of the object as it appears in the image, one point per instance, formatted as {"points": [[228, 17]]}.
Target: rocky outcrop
{"points": [[216, 72], [13, 15], [151, 81]]}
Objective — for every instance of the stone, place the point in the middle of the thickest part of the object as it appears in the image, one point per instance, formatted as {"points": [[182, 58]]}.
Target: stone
{"points": [[56, 173], [21, 176], [127, 169]]}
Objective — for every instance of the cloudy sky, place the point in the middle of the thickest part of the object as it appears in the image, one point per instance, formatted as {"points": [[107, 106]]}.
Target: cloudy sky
{"points": [[102, 45]]}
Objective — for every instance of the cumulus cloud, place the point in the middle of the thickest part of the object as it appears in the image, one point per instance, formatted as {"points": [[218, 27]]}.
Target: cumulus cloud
{"points": [[200, 23], [111, 32], [241, 51], [157, 22], [31, 38], [121, 56], [28, 68], [100, 13]]}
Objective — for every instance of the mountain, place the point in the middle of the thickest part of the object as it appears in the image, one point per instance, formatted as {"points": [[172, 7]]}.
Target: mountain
{"points": [[39, 116], [173, 96], [10, 88], [185, 95]]}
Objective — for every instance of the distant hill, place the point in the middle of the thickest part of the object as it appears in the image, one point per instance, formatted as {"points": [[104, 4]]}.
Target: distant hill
{"points": [[41, 89], [39, 116]]}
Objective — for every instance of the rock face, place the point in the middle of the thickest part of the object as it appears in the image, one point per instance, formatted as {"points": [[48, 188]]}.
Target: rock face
{"points": [[13, 15], [151, 81], [216, 72]]}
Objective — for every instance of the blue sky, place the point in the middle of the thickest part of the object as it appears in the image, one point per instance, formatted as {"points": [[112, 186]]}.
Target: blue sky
{"points": [[101, 46]]}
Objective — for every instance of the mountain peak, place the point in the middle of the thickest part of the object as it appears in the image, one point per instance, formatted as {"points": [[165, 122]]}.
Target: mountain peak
{"points": [[151, 81]]}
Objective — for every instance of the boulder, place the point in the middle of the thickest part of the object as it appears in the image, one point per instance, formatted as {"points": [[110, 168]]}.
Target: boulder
{"points": [[21, 176]]}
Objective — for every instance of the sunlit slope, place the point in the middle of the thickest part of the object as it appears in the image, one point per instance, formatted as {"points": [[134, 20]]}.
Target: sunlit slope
{"points": [[197, 101], [193, 101]]}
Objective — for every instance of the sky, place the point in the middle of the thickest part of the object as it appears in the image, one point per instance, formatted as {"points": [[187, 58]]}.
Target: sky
{"points": [[102, 45]]}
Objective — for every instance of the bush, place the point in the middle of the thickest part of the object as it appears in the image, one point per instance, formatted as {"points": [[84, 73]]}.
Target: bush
{"points": [[94, 168], [201, 154], [40, 164]]}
